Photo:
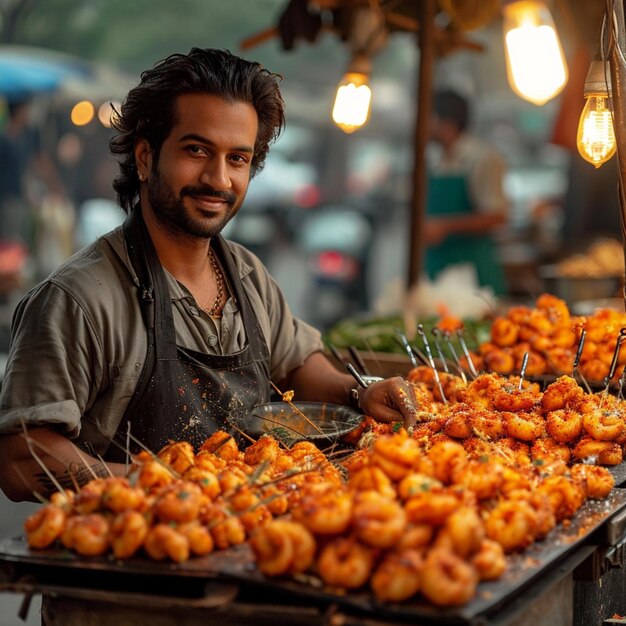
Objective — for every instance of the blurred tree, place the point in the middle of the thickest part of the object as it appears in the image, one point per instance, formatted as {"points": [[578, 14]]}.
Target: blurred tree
{"points": [[132, 35], [12, 14]]}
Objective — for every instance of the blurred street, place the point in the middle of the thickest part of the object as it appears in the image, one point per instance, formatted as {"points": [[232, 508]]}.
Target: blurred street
{"points": [[331, 212], [12, 516]]}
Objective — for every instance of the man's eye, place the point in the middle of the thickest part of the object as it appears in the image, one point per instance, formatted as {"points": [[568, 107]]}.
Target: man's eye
{"points": [[196, 149], [240, 158]]}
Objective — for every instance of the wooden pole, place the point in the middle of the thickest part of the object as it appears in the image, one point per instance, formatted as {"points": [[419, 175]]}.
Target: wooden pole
{"points": [[616, 26], [426, 43]]}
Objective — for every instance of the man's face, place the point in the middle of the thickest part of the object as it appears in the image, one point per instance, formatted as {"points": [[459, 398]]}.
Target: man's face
{"points": [[201, 177], [435, 127]]}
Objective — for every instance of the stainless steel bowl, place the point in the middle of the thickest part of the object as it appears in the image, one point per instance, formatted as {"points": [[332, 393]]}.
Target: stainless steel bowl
{"points": [[575, 289], [317, 421], [589, 307]]}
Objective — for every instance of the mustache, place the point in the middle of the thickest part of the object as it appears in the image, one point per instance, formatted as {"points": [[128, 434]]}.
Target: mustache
{"points": [[206, 190]]}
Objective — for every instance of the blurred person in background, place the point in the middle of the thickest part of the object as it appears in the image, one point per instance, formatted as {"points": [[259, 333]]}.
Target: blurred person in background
{"points": [[22, 156], [162, 327], [32, 196], [465, 198]]}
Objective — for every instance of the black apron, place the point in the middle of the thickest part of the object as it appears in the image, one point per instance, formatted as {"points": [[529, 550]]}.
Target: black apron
{"points": [[448, 194], [183, 394]]}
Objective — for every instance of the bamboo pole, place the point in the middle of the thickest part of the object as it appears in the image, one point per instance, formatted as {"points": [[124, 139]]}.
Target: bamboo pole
{"points": [[426, 45], [617, 46]]}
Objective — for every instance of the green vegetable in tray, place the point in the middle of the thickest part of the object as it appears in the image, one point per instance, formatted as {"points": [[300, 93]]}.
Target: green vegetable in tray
{"points": [[378, 334]]}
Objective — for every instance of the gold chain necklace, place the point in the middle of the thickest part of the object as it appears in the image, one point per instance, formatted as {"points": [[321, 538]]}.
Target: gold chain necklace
{"points": [[216, 308]]}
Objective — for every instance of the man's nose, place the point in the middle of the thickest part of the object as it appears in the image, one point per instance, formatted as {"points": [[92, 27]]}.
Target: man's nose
{"points": [[216, 174]]}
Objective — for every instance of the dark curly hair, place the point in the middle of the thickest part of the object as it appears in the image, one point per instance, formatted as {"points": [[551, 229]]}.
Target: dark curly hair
{"points": [[148, 110], [451, 106]]}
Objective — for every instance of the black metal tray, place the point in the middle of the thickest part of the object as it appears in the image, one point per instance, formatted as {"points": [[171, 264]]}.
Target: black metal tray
{"points": [[619, 473], [50, 568]]}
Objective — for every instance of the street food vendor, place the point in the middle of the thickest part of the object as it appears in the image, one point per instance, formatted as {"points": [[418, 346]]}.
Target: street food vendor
{"points": [[465, 199], [161, 329]]}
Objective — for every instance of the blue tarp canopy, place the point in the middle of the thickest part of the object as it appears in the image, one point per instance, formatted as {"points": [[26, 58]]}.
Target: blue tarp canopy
{"points": [[24, 73]]}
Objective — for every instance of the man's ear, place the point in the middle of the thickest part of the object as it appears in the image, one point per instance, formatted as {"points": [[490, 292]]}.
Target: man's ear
{"points": [[143, 158]]}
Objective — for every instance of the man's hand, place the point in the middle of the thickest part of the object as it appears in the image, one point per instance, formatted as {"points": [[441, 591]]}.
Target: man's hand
{"points": [[435, 231], [390, 400]]}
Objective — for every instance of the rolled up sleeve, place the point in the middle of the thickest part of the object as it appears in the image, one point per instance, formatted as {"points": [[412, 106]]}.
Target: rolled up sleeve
{"points": [[53, 366]]}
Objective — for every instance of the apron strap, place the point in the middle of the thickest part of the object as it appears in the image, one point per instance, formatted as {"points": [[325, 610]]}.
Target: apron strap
{"points": [[157, 311], [251, 326]]}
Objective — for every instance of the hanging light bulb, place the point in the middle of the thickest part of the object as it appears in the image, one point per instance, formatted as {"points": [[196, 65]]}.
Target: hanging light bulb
{"points": [[351, 109], [535, 63], [595, 139]]}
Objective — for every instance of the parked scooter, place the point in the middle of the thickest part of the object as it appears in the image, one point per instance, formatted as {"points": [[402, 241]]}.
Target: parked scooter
{"points": [[336, 240]]}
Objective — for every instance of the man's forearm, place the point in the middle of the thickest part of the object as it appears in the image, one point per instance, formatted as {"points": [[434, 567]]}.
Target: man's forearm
{"points": [[317, 380], [53, 462]]}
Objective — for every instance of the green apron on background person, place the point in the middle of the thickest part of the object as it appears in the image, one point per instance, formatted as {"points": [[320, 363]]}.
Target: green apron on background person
{"points": [[447, 195]]}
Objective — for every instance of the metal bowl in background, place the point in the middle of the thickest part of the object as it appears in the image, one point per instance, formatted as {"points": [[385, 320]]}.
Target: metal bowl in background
{"points": [[575, 289], [589, 307], [316, 421]]}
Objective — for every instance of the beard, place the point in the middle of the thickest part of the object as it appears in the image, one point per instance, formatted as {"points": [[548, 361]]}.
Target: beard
{"points": [[170, 210]]}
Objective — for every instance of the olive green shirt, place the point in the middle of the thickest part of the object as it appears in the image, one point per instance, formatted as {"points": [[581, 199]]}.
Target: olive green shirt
{"points": [[79, 343]]}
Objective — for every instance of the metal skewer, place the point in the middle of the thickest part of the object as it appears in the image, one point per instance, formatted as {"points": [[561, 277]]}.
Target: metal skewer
{"points": [[359, 379], [359, 361], [618, 344], [431, 361], [523, 370], [622, 382], [336, 353], [455, 356], [415, 355], [436, 332], [579, 351], [470, 363], [404, 342]]}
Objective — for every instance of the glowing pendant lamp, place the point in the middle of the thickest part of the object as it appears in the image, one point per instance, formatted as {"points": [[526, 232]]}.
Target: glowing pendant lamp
{"points": [[535, 63]]}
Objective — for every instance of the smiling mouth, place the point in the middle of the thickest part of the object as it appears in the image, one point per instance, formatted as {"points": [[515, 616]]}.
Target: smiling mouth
{"points": [[210, 202]]}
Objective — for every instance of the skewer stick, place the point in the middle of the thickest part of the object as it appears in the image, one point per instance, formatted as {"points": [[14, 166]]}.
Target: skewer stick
{"points": [[171, 470], [84, 462], [613, 367], [128, 455], [281, 424], [222, 443], [404, 342], [37, 495], [436, 332], [298, 471], [455, 356], [336, 353], [331, 449], [276, 480], [259, 470], [125, 448], [459, 334], [35, 456], [286, 399], [244, 435], [106, 467], [359, 379], [420, 330], [522, 372], [48, 451], [579, 351], [622, 382], [359, 361]]}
